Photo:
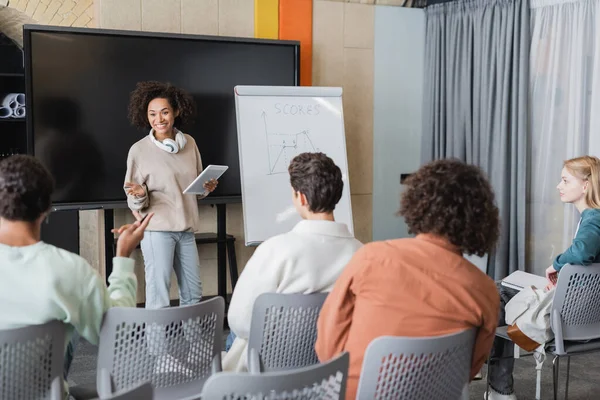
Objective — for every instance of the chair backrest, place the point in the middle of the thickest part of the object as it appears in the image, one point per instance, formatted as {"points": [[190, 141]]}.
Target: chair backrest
{"points": [[31, 361], [479, 262], [417, 368], [325, 381], [576, 304], [284, 329], [171, 347], [143, 391]]}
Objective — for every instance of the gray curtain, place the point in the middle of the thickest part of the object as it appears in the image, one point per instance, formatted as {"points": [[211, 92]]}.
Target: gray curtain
{"points": [[476, 105]]}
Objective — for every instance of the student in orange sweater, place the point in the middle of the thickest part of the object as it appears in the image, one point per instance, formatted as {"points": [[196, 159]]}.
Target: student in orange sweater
{"points": [[420, 286]]}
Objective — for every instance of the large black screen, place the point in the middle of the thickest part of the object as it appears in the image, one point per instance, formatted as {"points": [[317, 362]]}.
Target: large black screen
{"points": [[78, 85]]}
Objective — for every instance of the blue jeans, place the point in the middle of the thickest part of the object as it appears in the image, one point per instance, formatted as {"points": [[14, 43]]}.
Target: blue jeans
{"points": [[500, 370], [163, 252], [229, 341]]}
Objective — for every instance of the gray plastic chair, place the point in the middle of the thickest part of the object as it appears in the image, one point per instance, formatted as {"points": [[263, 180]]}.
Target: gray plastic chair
{"points": [[143, 391], [283, 331], [424, 368], [175, 348], [575, 318], [31, 362], [325, 381]]}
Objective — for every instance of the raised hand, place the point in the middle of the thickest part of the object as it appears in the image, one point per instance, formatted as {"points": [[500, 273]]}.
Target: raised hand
{"points": [[130, 236]]}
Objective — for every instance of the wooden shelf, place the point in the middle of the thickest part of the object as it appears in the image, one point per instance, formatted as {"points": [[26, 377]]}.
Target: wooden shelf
{"points": [[12, 80]]}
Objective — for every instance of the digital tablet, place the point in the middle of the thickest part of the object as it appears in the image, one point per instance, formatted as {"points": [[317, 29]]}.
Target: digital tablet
{"points": [[210, 172]]}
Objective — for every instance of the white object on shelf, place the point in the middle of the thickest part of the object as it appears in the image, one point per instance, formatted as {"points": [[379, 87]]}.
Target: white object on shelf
{"points": [[5, 112], [19, 112], [13, 106]]}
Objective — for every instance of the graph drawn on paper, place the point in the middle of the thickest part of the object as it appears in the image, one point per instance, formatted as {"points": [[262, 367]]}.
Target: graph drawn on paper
{"points": [[283, 147]]}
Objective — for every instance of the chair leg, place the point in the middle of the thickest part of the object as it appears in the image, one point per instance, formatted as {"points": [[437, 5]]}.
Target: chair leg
{"points": [[233, 271], [567, 384], [487, 376], [539, 364], [555, 370]]}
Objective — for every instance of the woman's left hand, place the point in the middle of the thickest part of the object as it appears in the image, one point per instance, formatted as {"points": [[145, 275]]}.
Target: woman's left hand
{"points": [[552, 275], [211, 185]]}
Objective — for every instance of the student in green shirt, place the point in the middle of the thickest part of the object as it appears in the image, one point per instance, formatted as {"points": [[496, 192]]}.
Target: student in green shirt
{"points": [[40, 282]]}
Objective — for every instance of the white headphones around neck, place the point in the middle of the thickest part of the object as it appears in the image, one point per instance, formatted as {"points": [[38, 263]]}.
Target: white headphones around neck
{"points": [[170, 145]]}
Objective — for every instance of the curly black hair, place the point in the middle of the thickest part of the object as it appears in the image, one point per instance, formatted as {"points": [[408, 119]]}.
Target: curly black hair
{"points": [[454, 200], [317, 177], [26, 188], [147, 91]]}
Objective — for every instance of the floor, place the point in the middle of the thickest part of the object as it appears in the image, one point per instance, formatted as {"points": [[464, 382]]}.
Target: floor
{"points": [[584, 382]]}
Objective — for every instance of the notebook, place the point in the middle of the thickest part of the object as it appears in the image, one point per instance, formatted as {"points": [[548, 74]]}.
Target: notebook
{"points": [[520, 279]]}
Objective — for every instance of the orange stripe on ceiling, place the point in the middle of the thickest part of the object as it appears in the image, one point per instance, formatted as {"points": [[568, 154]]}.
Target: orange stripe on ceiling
{"points": [[295, 23]]}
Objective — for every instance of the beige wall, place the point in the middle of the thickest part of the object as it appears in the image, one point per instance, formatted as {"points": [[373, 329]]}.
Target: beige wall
{"points": [[77, 13], [342, 56], [375, 2]]}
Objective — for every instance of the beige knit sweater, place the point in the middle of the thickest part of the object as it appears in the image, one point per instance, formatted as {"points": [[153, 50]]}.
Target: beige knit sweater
{"points": [[164, 176]]}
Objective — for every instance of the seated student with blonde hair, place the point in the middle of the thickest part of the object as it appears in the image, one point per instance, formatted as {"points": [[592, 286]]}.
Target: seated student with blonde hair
{"points": [[420, 286], [579, 185], [308, 259], [42, 283]]}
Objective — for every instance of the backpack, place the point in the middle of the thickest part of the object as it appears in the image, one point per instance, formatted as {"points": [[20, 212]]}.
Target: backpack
{"points": [[528, 318]]}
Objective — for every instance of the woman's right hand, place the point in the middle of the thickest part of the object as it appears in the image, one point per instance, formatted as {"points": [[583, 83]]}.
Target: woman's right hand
{"points": [[133, 189]]}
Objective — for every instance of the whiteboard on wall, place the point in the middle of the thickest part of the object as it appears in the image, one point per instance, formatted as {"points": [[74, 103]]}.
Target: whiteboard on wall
{"points": [[274, 124]]}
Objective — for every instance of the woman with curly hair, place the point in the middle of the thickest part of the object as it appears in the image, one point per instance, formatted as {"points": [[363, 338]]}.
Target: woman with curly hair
{"points": [[159, 167], [420, 286]]}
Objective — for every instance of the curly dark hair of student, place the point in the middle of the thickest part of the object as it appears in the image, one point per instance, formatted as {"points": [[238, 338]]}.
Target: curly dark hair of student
{"points": [[26, 188], [145, 92], [317, 177], [454, 200]]}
